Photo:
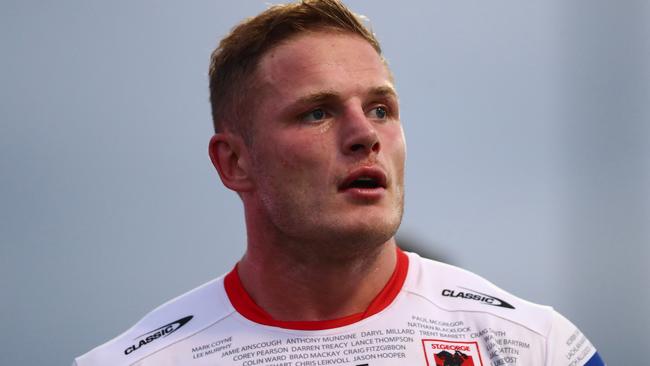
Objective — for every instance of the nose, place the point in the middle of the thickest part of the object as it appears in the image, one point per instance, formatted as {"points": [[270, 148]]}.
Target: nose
{"points": [[359, 134]]}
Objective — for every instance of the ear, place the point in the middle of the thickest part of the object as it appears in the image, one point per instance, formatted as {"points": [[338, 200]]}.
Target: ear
{"points": [[229, 156]]}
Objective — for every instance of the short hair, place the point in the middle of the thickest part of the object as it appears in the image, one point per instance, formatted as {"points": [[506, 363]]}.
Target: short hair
{"points": [[234, 62]]}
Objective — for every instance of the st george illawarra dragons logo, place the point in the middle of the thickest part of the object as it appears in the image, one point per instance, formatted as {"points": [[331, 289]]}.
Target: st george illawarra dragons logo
{"points": [[441, 352], [458, 358]]}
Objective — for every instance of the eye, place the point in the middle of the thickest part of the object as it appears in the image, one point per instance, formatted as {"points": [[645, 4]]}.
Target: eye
{"points": [[379, 112], [315, 115]]}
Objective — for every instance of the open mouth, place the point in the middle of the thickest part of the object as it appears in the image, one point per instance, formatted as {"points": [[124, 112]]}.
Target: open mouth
{"points": [[364, 178]]}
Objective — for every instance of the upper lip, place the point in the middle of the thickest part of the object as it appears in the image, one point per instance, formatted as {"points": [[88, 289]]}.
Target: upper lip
{"points": [[373, 173]]}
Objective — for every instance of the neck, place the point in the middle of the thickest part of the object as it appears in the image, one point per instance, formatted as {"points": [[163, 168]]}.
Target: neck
{"points": [[291, 286]]}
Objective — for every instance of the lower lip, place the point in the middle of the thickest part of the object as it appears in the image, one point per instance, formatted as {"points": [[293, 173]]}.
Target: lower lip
{"points": [[364, 194]]}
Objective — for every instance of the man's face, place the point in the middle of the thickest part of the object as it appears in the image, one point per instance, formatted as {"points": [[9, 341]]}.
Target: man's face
{"points": [[328, 148]]}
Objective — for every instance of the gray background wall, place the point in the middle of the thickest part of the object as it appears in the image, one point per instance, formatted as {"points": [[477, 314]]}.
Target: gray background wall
{"points": [[528, 138]]}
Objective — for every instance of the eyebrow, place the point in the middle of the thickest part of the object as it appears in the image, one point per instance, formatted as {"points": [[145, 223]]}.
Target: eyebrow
{"points": [[383, 91], [316, 98], [328, 95]]}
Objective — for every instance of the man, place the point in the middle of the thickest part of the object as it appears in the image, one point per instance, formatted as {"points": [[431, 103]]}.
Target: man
{"points": [[308, 134]]}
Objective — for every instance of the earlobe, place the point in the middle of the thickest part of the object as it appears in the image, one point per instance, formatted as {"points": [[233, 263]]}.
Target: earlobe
{"points": [[229, 156]]}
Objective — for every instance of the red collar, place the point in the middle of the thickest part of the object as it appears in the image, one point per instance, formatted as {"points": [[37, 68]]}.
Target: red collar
{"points": [[245, 305]]}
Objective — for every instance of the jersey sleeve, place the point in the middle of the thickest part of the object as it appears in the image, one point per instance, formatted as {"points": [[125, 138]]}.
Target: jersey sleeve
{"points": [[567, 346]]}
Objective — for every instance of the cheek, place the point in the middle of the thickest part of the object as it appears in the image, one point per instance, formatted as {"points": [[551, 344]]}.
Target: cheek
{"points": [[396, 143], [303, 159]]}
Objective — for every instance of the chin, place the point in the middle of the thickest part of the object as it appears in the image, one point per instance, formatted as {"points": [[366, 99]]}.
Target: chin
{"points": [[340, 239], [369, 233]]}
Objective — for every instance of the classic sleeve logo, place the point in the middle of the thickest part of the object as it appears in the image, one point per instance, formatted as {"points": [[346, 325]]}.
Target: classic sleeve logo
{"points": [[468, 294], [161, 332]]}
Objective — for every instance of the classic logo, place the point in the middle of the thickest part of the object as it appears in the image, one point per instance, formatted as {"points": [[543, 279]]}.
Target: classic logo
{"points": [[163, 331], [447, 353], [477, 296]]}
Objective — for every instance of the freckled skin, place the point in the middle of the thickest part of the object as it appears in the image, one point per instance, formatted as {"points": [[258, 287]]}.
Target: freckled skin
{"points": [[297, 166]]}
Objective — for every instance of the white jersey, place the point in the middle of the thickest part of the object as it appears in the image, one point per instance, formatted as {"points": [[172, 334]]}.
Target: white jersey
{"points": [[429, 313]]}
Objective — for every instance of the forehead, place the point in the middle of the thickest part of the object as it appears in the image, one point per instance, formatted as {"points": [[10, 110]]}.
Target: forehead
{"points": [[315, 61]]}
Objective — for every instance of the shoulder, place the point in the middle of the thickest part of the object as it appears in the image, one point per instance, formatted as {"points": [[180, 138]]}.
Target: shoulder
{"points": [[171, 322], [455, 289]]}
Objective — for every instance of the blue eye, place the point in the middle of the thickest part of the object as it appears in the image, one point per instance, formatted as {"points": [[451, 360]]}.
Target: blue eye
{"points": [[316, 115], [379, 112]]}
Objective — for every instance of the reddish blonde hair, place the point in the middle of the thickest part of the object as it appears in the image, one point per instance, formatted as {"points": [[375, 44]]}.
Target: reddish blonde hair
{"points": [[234, 62]]}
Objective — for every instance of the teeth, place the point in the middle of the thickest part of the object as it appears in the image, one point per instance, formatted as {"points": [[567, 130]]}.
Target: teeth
{"points": [[365, 179]]}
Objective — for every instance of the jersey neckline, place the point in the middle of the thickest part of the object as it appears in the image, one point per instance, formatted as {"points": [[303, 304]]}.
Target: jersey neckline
{"points": [[244, 304]]}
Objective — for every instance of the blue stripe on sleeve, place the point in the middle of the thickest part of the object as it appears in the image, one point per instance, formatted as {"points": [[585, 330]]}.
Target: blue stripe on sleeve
{"points": [[595, 360]]}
